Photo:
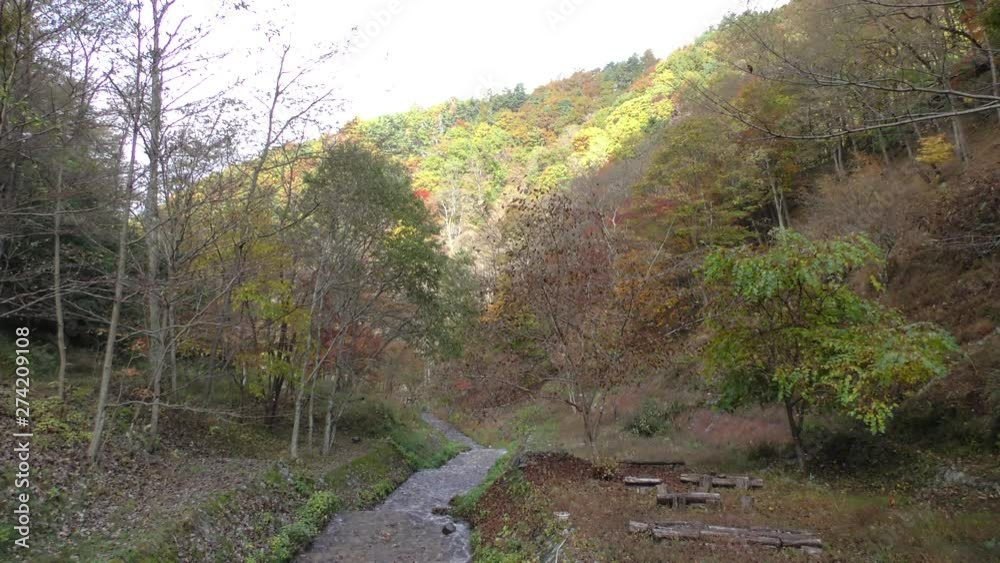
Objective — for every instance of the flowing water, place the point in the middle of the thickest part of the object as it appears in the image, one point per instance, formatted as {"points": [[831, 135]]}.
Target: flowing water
{"points": [[403, 527]]}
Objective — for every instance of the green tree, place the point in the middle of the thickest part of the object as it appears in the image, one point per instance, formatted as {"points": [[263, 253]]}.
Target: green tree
{"points": [[379, 275], [788, 329]]}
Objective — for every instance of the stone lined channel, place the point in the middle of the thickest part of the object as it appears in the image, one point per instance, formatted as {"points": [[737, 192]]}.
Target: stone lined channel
{"points": [[403, 529]]}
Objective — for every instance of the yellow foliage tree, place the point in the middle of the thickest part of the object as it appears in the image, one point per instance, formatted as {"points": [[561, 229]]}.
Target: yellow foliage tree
{"points": [[935, 150]]}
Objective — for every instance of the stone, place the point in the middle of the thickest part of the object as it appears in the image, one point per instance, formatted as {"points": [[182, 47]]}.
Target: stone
{"points": [[355, 440], [448, 529]]}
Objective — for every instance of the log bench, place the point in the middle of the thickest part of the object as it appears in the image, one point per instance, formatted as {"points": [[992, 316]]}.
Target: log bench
{"points": [[739, 482], [668, 463], [641, 481], [682, 500], [771, 537]]}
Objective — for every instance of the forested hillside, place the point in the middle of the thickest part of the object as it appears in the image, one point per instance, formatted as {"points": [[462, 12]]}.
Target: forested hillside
{"points": [[773, 251], [867, 120]]}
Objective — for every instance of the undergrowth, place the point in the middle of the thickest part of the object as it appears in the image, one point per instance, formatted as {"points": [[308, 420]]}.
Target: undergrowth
{"points": [[653, 419], [260, 523]]}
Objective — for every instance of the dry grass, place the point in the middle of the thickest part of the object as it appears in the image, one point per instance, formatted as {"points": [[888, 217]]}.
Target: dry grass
{"points": [[854, 527], [862, 515]]}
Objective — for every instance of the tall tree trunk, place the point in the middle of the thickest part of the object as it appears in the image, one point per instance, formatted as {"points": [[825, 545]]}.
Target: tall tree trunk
{"points": [[297, 421], [306, 374], [993, 66], [109, 347], [336, 421], [300, 392], [57, 284], [220, 341], [777, 196], [958, 132], [312, 400], [328, 431], [882, 145], [328, 426], [277, 385], [154, 318], [589, 430], [172, 347], [97, 435], [796, 429], [838, 160]]}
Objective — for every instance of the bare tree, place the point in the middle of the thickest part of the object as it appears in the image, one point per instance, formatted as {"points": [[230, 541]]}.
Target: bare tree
{"points": [[131, 100], [911, 54], [569, 293]]}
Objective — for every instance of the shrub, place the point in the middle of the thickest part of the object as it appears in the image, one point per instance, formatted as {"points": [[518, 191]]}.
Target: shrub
{"points": [[765, 452], [653, 419], [369, 417], [605, 469], [935, 150], [308, 523]]}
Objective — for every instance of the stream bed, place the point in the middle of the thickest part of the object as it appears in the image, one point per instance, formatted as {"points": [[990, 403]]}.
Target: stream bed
{"points": [[403, 528]]}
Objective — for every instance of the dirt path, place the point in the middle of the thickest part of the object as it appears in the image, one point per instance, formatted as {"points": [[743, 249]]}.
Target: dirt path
{"points": [[403, 529]]}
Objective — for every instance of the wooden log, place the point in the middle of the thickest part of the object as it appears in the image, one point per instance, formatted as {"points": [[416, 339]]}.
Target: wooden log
{"points": [[746, 502], [676, 532], [692, 498], [802, 541], [723, 480], [714, 528], [761, 540], [651, 462], [736, 535], [681, 500], [642, 481], [770, 537], [705, 484], [638, 527], [779, 531]]}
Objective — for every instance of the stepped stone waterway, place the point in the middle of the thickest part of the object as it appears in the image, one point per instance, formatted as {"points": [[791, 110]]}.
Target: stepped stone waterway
{"points": [[403, 528]]}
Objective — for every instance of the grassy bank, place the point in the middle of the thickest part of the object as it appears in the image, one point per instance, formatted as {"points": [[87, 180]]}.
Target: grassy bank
{"points": [[278, 516], [217, 489]]}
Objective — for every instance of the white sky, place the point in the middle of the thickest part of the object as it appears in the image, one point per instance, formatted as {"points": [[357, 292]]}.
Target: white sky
{"points": [[432, 50]]}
